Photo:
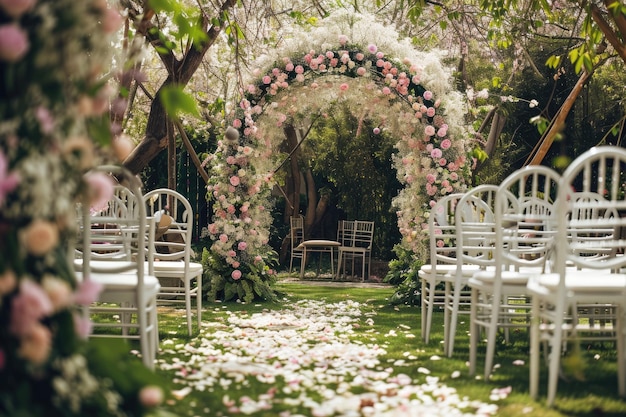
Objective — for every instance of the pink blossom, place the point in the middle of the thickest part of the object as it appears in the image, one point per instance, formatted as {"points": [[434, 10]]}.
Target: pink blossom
{"points": [[8, 181], [343, 39], [231, 253], [361, 71], [13, 42], [151, 396], [428, 95], [440, 243], [235, 264], [16, 8], [386, 91], [442, 132], [443, 162], [231, 209], [40, 237], [359, 56], [430, 112], [299, 69], [372, 48], [111, 20], [289, 67], [379, 55], [343, 87], [29, 306], [436, 153], [429, 130], [446, 143], [236, 123], [223, 238], [376, 130], [242, 246], [101, 189], [36, 344], [82, 326], [415, 79], [236, 274], [430, 178], [87, 292], [234, 181], [266, 79]]}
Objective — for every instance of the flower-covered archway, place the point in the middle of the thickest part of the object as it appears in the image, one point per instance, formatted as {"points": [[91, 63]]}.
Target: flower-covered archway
{"points": [[410, 98]]}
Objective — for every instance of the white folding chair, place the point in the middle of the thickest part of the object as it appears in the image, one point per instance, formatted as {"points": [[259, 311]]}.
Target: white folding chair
{"points": [[586, 269], [296, 237], [524, 232], [475, 219], [358, 239], [115, 246], [173, 265], [443, 261]]}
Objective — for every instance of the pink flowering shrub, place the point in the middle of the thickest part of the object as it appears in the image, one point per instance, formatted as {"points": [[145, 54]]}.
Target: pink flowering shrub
{"points": [[238, 264]]}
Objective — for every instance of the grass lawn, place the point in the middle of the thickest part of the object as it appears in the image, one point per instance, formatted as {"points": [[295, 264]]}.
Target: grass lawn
{"points": [[397, 329]]}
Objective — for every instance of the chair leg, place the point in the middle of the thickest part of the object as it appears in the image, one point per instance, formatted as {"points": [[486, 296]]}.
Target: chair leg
{"points": [[534, 351], [474, 332], [199, 301], [188, 305]]}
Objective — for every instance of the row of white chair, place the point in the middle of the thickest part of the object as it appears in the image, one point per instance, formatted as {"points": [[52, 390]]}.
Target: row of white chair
{"points": [[120, 252], [531, 252]]}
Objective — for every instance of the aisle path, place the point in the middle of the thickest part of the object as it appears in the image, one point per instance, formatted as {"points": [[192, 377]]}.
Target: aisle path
{"points": [[309, 348]]}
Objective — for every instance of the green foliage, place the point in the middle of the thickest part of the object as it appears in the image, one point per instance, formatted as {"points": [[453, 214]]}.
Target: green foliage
{"points": [[403, 273], [346, 155], [176, 101], [254, 284]]}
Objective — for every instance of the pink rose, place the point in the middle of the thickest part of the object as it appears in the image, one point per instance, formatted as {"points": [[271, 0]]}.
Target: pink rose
{"points": [[16, 8], [372, 48], [343, 87], [101, 190], [234, 180], [428, 95], [436, 153], [223, 238], [29, 306], [236, 274], [242, 246], [82, 326], [36, 344], [13, 42], [40, 237], [87, 292], [151, 396]]}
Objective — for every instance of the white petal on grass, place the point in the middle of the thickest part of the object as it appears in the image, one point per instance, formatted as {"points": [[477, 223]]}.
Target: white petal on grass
{"points": [[310, 346]]}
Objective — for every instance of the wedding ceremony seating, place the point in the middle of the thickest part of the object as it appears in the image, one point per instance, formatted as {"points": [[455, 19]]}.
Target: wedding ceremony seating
{"points": [[474, 222], [116, 244], [524, 231], [296, 237], [583, 297], [173, 265], [356, 244]]}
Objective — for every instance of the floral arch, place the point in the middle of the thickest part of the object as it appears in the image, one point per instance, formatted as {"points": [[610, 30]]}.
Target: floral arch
{"points": [[410, 98]]}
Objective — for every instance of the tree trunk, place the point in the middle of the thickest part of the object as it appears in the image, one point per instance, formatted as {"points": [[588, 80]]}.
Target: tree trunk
{"points": [[179, 73]]}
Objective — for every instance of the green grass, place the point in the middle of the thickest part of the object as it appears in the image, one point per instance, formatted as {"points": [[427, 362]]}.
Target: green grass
{"points": [[596, 395]]}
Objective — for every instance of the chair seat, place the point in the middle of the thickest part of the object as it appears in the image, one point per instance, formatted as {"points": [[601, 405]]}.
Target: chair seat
{"points": [[596, 281], [508, 277], [110, 266], [123, 282], [317, 243], [445, 269], [176, 268]]}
